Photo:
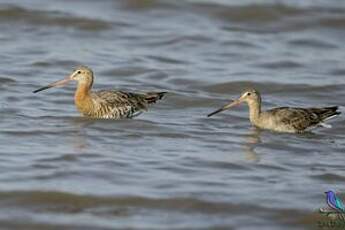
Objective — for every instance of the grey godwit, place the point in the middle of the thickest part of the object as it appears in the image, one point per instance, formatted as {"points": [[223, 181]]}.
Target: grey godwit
{"points": [[109, 104], [282, 119]]}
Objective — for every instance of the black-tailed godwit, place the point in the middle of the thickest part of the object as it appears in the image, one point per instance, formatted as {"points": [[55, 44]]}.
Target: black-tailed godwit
{"points": [[282, 119], [109, 104]]}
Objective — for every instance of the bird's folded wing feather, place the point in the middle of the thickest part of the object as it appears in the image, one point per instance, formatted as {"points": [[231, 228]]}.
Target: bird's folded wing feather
{"points": [[298, 118], [125, 103]]}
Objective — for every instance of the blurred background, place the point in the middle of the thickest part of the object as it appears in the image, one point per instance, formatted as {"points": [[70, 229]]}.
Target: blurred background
{"points": [[170, 168]]}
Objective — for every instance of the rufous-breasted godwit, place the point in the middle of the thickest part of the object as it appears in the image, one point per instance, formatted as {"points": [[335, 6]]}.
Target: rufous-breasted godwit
{"points": [[282, 119], [108, 104]]}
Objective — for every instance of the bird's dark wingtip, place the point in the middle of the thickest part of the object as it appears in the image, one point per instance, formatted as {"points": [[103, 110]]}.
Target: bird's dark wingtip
{"points": [[335, 111], [161, 94], [333, 108], [152, 97]]}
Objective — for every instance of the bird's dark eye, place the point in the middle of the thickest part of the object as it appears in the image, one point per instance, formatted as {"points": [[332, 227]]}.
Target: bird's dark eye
{"points": [[248, 94], [79, 72]]}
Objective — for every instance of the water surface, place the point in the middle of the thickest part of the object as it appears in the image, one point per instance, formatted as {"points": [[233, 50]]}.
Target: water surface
{"points": [[170, 168]]}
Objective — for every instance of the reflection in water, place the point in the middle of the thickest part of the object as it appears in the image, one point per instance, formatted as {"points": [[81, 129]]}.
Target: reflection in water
{"points": [[79, 139], [252, 139]]}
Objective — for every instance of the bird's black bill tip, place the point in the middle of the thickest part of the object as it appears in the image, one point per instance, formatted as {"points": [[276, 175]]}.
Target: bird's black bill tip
{"points": [[215, 112], [41, 89], [54, 84]]}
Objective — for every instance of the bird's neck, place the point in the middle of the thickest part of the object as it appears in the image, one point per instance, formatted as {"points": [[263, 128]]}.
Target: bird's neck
{"points": [[83, 91], [254, 112], [82, 97]]}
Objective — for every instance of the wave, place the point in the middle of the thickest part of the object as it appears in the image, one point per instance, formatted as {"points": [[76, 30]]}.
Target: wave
{"points": [[17, 14], [63, 200], [274, 17], [270, 87]]}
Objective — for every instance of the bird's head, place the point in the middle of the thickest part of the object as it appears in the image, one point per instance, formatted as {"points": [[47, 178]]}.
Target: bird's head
{"points": [[82, 74], [329, 192], [250, 96]]}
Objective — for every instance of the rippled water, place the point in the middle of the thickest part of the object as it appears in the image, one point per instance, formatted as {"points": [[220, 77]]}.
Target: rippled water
{"points": [[170, 168]]}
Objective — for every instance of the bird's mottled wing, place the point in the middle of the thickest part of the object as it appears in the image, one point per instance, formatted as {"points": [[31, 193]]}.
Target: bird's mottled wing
{"points": [[298, 118], [118, 104]]}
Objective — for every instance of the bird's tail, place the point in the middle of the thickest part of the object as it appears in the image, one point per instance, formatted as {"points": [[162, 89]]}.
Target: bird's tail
{"points": [[328, 112], [152, 97]]}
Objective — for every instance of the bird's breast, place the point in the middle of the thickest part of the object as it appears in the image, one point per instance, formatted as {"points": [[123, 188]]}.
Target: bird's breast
{"points": [[84, 104]]}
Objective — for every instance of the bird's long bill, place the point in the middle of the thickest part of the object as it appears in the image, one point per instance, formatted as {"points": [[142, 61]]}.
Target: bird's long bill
{"points": [[54, 84], [225, 107]]}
